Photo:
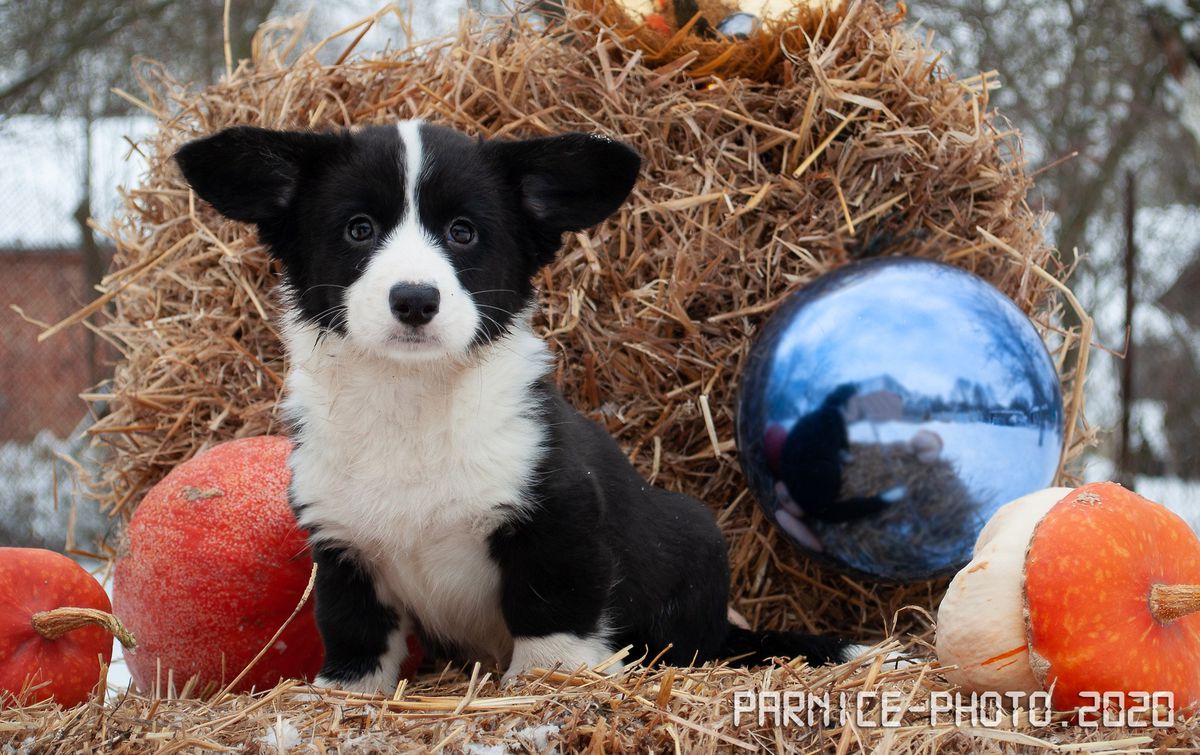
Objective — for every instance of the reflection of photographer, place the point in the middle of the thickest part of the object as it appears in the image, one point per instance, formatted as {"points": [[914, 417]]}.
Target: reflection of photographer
{"points": [[808, 461], [818, 446]]}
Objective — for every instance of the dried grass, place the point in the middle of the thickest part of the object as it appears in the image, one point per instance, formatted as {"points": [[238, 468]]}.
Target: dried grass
{"points": [[855, 145], [667, 710]]}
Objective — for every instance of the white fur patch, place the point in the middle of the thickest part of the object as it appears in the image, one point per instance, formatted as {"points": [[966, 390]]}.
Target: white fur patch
{"points": [[414, 464], [568, 651], [410, 254]]}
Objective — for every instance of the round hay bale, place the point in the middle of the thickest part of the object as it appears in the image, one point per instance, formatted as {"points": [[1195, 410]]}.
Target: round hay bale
{"points": [[857, 145]]}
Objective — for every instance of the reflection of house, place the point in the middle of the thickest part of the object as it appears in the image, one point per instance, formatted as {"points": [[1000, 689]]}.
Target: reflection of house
{"points": [[1005, 416], [883, 383], [40, 383]]}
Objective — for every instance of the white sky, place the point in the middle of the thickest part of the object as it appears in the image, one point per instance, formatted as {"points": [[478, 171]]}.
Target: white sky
{"points": [[41, 184]]}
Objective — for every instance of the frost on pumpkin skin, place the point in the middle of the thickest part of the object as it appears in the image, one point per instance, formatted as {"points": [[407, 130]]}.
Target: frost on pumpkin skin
{"points": [[33, 580], [1091, 567], [215, 566]]}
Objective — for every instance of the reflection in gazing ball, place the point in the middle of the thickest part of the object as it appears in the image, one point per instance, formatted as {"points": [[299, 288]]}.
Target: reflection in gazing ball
{"points": [[738, 25], [889, 408]]}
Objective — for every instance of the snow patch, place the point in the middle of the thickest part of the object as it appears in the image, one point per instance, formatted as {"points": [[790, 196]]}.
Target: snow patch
{"points": [[996, 462], [281, 737], [25, 747], [1178, 495], [529, 739]]}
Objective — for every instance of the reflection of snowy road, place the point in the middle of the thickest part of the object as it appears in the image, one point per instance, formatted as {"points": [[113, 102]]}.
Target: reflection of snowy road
{"points": [[997, 463]]}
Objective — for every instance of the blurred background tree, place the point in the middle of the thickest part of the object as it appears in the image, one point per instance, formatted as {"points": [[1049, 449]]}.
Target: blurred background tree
{"points": [[56, 100]]}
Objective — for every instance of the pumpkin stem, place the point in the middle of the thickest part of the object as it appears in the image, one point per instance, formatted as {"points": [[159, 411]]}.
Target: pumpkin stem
{"points": [[54, 624], [1171, 602]]}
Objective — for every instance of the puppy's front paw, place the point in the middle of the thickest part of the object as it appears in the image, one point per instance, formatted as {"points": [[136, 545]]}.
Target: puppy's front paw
{"points": [[511, 677]]}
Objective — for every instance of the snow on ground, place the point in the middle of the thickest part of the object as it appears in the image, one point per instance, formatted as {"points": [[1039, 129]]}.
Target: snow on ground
{"points": [[27, 489], [529, 739], [1180, 496], [282, 736], [118, 672]]}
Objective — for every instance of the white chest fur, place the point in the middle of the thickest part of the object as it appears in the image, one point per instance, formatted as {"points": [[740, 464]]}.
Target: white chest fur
{"points": [[414, 467]]}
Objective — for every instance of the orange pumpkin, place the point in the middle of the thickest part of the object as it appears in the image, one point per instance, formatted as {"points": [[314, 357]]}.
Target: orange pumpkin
{"points": [[56, 628], [1094, 590]]}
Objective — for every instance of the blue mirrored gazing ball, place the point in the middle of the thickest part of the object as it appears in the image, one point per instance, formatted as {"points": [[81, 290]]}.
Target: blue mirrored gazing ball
{"points": [[886, 411], [738, 25]]}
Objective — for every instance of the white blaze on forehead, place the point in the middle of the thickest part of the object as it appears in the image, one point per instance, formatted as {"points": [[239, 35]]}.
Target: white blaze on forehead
{"points": [[410, 138], [411, 253]]}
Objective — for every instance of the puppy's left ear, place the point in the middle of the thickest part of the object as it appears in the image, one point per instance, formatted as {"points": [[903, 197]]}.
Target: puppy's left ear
{"points": [[569, 182]]}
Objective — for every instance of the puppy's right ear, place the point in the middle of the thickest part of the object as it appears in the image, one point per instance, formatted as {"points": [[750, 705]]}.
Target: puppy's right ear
{"points": [[250, 174]]}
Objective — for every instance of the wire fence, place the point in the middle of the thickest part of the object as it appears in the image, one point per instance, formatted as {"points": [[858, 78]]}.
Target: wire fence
{"points": [[46, 275], [42, 416]]}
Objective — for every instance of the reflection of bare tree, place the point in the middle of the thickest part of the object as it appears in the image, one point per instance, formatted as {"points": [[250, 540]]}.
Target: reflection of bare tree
{"points": [[1020, 359]]}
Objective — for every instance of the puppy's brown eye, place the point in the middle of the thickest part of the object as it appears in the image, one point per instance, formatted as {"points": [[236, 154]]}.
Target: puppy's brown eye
{"points": [[461, 232], [360, 229]]}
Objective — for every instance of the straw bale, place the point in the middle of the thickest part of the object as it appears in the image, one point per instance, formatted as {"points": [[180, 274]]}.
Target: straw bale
{"points": [[665, 710]]}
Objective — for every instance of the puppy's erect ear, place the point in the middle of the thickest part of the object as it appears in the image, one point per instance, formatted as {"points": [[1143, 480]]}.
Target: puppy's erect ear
{"points": [[250, 174], [572, 181]]}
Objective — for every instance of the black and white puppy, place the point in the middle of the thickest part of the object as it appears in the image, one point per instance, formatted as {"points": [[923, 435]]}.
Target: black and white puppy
{"points": [[447, 485]]}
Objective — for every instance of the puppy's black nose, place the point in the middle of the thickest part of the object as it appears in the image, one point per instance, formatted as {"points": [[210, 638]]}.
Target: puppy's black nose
{"points": [[414, 303]]}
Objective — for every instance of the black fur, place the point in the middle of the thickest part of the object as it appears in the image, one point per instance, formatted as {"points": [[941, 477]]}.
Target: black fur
{"points": [[599, 524], [354, 625]]}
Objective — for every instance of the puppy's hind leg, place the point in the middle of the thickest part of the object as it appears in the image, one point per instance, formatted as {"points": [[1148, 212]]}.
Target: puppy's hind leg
{"points": [[366, 642]]}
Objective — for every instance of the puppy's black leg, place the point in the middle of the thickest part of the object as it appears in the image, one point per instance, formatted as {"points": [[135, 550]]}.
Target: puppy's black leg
{"points": [[555, 583], [365, 640]]}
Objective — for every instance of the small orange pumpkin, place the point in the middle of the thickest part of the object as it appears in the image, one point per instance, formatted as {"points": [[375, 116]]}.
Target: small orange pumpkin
{"points": [[1090, 590], [55, 628]]}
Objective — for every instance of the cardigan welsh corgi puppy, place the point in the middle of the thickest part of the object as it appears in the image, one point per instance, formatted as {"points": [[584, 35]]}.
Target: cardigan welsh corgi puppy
{"points": [[446, 485]]}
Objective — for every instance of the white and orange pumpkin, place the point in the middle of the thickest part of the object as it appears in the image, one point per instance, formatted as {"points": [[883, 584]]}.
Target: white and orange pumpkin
{"points": [[1074, 591]]}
